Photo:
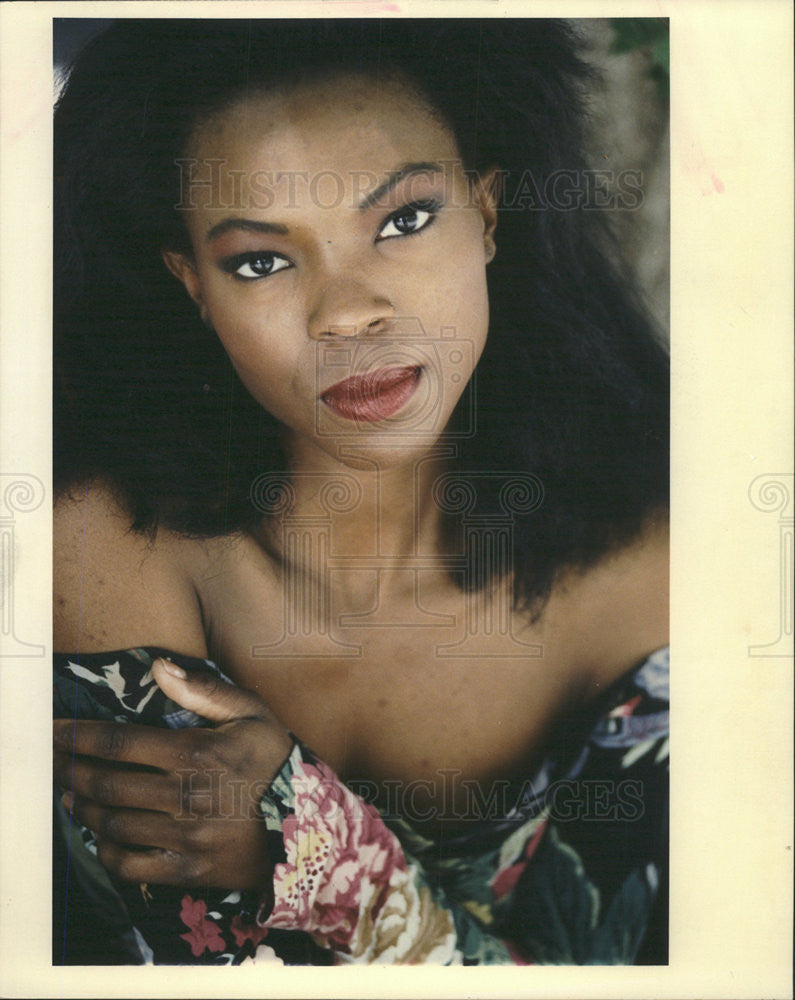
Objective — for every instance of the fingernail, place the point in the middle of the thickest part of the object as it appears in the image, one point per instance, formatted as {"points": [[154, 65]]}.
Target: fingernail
{"points": [[67, 801], [172, 668]]}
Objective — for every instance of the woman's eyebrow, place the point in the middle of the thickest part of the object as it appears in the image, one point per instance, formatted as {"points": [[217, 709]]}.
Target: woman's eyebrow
{"points": [[248, 225], [407, 170], [254, 226]]}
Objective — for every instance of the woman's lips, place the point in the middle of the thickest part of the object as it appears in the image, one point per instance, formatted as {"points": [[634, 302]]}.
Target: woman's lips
{"points": [[374, 396]]}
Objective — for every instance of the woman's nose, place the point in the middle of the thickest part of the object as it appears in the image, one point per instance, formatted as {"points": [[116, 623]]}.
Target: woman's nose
{"points": [[348, 309]]}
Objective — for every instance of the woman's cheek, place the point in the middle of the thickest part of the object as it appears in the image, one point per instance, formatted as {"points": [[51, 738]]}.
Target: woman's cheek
{"points": [[463, 294], [269, 390], [251, 331], [271, 372]]}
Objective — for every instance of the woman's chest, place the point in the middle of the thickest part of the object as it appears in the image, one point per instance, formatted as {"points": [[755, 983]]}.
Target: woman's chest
{"points": [[414, 682], [439, 741], [399, 678]]}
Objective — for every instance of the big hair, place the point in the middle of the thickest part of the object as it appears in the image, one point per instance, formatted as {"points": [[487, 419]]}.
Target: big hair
{"points": [[572, 386]]}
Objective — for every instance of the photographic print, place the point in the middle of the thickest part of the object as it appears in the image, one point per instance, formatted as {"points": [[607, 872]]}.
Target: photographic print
{"points": [[338, 500]]}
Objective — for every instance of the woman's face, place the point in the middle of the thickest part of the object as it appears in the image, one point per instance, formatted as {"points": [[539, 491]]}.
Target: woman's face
{"points": [[339, 252]]}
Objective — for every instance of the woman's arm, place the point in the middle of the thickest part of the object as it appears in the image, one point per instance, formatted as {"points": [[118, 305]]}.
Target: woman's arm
{"points": [[176, 806], [339, 874], [211, 810], [118, 589], [340, 877], [114, 588]]}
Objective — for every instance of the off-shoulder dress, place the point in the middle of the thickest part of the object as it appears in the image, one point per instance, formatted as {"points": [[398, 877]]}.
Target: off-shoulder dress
{"points": [[564, 866]]}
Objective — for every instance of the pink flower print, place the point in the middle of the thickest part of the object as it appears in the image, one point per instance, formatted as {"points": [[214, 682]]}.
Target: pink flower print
{"points": [[246, 932], [621, 711], [338, 851], [203, 932], [505, 881]]}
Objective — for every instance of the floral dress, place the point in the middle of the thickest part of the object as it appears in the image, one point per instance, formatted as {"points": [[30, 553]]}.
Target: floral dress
{"points": [[568, 867]]}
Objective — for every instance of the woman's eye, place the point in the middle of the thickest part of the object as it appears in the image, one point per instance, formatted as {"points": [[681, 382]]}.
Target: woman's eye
{"points": [[408, 220], [250, 266]]}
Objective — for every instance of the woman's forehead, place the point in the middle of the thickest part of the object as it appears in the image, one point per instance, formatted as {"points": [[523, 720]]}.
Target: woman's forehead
{"points": [[343, 138], [332, 117]]}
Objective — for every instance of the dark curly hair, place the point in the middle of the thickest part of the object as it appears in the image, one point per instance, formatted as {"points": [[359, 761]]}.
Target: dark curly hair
{"points": [[572, 386]]}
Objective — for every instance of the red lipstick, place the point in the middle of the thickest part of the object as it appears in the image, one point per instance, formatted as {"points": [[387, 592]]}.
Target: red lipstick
{"points": [[373, 396]]}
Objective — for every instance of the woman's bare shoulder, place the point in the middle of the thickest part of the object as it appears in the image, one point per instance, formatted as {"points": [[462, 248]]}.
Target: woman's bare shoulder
{"points": [[115, 588], [617, 611]]}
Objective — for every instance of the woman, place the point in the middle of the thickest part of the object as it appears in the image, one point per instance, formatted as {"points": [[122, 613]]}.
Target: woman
{"points": [[343, 412]]}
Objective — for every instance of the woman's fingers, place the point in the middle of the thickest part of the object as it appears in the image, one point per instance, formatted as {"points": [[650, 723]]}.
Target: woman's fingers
{"points": [[138, 845], [188, 794], [113, 786], [126, 743], [137, 827], [158, 866], [206, 694], [211, 754], [200, 691], [177, 806]]}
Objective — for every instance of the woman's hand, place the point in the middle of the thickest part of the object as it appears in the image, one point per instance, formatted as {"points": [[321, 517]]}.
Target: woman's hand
{"points": [[177, 807]]}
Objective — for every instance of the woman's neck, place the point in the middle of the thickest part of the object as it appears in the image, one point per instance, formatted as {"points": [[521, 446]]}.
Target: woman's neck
{"points": [[375, 513]]}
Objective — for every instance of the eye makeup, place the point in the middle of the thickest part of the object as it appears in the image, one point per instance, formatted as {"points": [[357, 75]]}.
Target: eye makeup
{"points": [[258, 264], [411, 219]]}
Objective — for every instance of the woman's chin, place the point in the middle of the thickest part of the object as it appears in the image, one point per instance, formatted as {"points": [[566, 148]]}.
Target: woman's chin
{"points": [[370, 448]]}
